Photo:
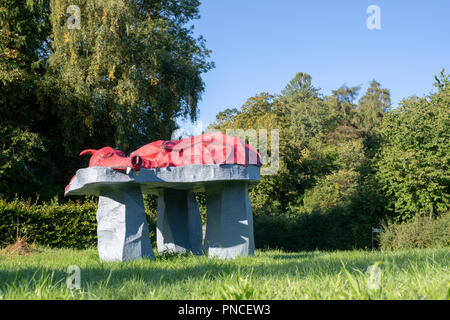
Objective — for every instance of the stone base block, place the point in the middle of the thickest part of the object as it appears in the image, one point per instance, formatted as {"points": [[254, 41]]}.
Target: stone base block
{"points": [[122, 227], [179, 224], [229, 228]]}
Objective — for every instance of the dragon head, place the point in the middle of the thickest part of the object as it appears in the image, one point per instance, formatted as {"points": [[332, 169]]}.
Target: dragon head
{"points": [[108, 157]]}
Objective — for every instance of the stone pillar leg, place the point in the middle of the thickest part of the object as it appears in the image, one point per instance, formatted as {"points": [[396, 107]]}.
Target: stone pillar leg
{"points": [[122, 227], [229, 226], [179, 224]]}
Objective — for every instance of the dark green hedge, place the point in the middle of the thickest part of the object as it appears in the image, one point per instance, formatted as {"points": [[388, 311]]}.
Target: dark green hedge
{"points": [[308, 232], [70, 224], [73, 224]]}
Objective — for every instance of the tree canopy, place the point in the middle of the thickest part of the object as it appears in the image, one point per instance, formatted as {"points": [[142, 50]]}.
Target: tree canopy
{"points": [[359, 158], [122, 79], [413, 163]]}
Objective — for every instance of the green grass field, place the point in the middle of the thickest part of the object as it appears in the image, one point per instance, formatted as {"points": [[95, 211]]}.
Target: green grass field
{"points": [[417, 274]]}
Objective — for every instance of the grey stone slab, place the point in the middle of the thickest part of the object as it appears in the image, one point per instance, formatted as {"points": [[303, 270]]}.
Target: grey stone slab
{"points": [[179, 224], [90, 181], [229, 226], [122, 228]]}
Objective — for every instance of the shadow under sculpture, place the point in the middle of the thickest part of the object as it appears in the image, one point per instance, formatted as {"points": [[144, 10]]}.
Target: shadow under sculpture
{"points": [[122, 226]]}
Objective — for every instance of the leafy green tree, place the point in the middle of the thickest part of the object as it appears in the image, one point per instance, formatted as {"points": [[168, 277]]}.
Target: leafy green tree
{"points": [[300, 86], [342, 100], [342, 175], [225, 119], [122, 79], [132, 68], [24, 163], [372, 107], [303, 111], [24, 29], [413, 163], [257, 113], [333, 192]]}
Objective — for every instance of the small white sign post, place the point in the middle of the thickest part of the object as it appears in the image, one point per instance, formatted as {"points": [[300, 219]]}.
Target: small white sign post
{"points": [[375, 230]]}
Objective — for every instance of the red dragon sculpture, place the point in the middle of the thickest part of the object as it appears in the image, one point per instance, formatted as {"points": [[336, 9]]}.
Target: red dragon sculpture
{"points": [[208, 148]]}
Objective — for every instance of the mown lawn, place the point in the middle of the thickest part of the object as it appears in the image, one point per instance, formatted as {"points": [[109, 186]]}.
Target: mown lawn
{"points": [[417, 274]]}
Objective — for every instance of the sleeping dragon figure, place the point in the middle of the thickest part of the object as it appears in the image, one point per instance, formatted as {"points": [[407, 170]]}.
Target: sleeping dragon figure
{"points": [[208, 148]]}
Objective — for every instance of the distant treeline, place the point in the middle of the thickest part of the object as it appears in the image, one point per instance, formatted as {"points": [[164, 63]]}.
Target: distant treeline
{"points": [[348, 166], [363, 159]]}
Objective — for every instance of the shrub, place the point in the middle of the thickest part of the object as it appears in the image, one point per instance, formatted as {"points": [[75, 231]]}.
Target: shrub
{"points": [[423, 232]]}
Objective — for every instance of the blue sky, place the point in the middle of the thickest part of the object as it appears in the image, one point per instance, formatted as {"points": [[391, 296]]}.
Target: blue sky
{"points": [[259, 45]]}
